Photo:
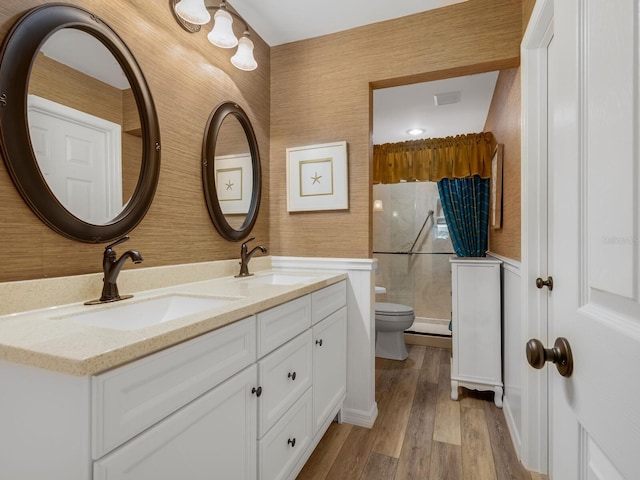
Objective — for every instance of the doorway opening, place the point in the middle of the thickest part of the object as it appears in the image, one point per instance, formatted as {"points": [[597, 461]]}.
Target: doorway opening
{"points": [[410, 237]]}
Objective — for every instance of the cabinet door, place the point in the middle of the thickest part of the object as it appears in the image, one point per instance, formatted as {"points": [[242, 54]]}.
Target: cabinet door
{"points": [[476, 321], [329, 365], [214, 437]]}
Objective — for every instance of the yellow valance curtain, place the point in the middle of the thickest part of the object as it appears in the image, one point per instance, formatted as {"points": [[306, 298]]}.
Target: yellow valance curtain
{"points": [[433, 159]]}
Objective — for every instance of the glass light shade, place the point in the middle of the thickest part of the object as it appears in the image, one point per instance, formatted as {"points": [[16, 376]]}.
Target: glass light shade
{"points": [[377, 206], [221, 35], [243, 59], [193, 11]]}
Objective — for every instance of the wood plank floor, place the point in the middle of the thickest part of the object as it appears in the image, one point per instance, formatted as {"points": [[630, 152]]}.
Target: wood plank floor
{"points": [[420, 432]]}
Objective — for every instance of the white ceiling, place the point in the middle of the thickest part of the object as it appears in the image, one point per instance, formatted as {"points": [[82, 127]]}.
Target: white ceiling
{"points": [[398, 109], [86, 54], [284, 21]]}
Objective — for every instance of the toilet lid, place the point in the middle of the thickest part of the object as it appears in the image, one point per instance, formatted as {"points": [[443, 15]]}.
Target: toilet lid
{"points": [[393, 308]]}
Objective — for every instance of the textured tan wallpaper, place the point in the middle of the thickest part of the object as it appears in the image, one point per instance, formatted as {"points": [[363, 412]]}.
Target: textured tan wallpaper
{"points": [[187, 77], [504, 121], [320, 92]]}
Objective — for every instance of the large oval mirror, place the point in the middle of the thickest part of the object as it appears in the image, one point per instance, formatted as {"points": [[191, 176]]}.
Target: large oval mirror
{"points": [[231, 172], [78, 128]]}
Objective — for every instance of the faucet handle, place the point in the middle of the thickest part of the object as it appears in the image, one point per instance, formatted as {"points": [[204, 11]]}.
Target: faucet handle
{"points": [[244, 244], [117, 242]]}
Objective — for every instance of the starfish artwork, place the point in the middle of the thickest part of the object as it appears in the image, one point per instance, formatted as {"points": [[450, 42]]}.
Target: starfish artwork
{"points": [[316, 178], [229, 185]]}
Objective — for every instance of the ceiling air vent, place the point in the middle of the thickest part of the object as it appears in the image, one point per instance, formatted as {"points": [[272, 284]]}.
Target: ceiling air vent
{"points": [[446, 98]]}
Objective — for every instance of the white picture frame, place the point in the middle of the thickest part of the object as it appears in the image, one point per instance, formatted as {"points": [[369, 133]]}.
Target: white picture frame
{"points": [[317, 177], [233, 177]]}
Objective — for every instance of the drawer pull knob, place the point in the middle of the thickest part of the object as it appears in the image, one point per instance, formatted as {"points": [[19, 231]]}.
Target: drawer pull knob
{"points": [[291, 375], [319, 342], [257, 391], [292, 442]]}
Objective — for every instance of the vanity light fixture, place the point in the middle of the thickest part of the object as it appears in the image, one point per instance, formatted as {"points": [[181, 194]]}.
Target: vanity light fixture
{"points": [[377, 206], [191, 14], [414, 132]]}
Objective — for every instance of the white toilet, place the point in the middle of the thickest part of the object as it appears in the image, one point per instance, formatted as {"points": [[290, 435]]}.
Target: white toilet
{"points": [[392, 319]]}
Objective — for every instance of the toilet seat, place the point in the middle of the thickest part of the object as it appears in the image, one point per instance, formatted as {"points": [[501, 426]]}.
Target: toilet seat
{"points": [[393, 313], [393, 309]]}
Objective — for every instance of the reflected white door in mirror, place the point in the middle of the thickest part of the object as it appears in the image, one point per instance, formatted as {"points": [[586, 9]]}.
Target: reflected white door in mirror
{"points": [[80, 158]]}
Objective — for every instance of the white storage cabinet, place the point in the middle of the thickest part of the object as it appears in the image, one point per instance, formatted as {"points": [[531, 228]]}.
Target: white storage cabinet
{"points": [[476, 359]]}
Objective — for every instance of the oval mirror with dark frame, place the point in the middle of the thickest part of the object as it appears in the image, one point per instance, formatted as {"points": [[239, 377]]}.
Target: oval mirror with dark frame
{"points": [[88, 186], [231, 173]]}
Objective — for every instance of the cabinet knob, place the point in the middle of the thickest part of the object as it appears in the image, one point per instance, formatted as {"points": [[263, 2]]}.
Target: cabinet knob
{"points": [[257, 391], [319, 342], [291, 375], [545, 283], [292, 442]]}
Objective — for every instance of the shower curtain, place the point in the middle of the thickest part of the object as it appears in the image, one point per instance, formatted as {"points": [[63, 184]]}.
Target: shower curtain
{"points": [[465, 203]]}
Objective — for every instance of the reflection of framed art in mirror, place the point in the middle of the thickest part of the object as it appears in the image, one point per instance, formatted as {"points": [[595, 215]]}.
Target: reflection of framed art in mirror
{"points": [[233, 183]]}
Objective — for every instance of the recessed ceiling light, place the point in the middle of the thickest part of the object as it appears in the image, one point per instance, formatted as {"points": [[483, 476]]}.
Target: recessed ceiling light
{"points": [[415, 131]]}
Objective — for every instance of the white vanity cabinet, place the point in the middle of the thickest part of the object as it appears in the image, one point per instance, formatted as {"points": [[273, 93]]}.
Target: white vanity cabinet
{"points": [[247, 401], [476, 334]]}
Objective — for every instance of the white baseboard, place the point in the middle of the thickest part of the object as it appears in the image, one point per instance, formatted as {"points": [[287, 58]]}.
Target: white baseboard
{"points": [[360, 418], [513, 431]]}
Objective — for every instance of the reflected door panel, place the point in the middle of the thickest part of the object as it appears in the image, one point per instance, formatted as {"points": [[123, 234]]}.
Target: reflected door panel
{"points": [[80, 158]]}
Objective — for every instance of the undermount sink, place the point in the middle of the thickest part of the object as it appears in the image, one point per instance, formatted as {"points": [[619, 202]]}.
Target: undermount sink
{"points": [[281, 279], [148, 312]]}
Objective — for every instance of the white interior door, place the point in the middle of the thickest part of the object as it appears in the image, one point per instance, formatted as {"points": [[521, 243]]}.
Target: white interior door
{"points": [[595, 222], [79, 156]]}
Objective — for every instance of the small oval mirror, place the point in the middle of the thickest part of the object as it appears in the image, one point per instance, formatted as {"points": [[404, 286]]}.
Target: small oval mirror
{"points": [[231, 171], [76, 183]]}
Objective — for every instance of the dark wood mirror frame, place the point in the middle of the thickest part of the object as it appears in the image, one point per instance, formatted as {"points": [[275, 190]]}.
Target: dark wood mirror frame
{"points": [[208, 171], [17, 56]]}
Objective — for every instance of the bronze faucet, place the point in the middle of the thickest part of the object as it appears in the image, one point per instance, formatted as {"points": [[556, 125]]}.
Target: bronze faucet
{"points": [[245, 256], [112, 268]]}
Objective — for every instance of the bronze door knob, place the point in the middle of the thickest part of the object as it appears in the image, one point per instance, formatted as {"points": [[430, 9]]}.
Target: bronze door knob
{"points": [[560, 354]]}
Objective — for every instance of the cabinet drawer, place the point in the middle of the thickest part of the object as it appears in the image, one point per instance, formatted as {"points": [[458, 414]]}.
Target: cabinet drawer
{"points": [[284, 375], [281, 448], [130, 399], [282, 323], [328, 300]]}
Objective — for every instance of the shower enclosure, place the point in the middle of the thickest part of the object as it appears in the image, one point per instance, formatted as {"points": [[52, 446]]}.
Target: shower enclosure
{"points": [[412, 245]]}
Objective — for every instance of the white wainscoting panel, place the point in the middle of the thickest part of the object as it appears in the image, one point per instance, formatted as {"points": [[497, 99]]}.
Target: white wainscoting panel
{"points": [[513, 348]]}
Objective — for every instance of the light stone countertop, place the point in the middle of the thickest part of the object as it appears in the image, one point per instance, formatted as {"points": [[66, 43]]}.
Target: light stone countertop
{"points": [[46, 338]]}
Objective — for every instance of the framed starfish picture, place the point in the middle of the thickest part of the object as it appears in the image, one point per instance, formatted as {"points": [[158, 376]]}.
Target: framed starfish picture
{"points": [[317, 177], [233, 183]]}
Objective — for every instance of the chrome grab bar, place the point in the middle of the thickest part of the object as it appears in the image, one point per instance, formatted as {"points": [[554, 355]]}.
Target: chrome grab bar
{"points": [[429, 215]]}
